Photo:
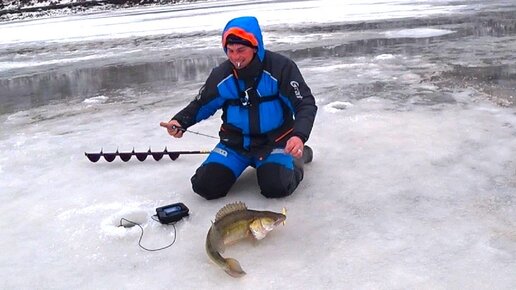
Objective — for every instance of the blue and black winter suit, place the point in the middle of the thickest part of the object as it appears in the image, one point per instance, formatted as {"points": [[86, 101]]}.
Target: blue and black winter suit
{"points": [[263, 104]]}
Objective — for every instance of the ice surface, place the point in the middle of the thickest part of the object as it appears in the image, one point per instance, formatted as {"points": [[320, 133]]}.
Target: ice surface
{"points": [[412, 186]]}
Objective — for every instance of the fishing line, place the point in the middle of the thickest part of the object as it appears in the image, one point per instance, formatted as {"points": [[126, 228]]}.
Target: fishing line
{"points": [[141, 235], [197, 133]]}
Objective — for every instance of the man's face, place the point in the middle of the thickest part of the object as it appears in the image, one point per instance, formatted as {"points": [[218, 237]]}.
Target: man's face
{"points": [[240, 55]]}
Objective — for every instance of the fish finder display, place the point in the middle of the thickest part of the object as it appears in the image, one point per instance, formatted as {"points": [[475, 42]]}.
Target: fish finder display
{"points": [[172, 209], [171, 213]]}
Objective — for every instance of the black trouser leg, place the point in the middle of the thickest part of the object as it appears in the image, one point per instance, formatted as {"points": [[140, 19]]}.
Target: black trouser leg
{"points": [[277, 181], [212, 180]]}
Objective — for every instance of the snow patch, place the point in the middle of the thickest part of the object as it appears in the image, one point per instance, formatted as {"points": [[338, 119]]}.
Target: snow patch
{"points": [[417, 33], [338, 106], [96, 100], [18, 117], [384, 56]]}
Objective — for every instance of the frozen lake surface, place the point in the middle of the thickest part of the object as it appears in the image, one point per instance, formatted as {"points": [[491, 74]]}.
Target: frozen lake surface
{"points": [[413, 184]]}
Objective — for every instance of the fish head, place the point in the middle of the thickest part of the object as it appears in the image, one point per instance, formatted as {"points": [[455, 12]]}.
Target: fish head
{"points": [[261, 226]]}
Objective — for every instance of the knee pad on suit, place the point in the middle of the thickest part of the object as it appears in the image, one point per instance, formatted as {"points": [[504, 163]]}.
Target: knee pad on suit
{"points": [[277, 181], [212, 180]]}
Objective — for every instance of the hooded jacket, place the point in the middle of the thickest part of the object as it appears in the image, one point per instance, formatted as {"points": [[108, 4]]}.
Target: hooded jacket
{"points": [[263, 104]]}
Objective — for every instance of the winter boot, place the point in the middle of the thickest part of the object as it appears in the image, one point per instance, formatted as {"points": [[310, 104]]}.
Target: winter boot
{"points": [[308, 156]]}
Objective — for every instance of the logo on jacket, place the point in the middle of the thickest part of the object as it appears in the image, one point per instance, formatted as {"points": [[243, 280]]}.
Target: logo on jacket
{"points": [[297, 92], [220, 151]]}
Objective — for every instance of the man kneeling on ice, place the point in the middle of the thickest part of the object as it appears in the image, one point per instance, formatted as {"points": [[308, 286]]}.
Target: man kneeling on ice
{"points": [[268, 114]]}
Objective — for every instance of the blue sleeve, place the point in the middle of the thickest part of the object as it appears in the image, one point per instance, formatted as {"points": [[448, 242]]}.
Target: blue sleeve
{"points": [[205, 104]]}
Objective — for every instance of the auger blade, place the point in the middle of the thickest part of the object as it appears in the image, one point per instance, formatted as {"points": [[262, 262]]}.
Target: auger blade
{"points": [[173, 156], [141, 156], [126, 156], [93, 157], [157, 155], [110, 156]]}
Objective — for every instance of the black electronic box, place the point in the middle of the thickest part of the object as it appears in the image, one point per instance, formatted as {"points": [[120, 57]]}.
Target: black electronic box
{"points": [[171, 213]]}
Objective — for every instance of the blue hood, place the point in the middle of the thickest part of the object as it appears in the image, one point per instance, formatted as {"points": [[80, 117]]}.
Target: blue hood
{"points": [[250, 25]]}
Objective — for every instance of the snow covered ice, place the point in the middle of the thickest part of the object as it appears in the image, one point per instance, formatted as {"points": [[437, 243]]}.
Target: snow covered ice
{"points": [[413, 183]]}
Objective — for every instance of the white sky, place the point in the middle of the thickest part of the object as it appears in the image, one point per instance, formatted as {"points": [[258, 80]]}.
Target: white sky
{"points": [[401, 195]]}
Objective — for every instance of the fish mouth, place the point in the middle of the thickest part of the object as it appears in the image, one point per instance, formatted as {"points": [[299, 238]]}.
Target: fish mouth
{"points": [[280, 220]]}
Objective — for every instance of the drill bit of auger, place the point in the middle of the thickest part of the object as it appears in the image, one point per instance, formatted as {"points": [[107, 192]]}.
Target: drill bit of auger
{"points": [[141, 156]]}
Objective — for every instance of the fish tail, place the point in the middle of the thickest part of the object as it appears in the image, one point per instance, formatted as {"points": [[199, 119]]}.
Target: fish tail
{"points": [[234, 269]]}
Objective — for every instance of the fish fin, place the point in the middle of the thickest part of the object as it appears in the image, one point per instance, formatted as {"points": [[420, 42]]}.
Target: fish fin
{"points": [[230, 208], [234, 269]]}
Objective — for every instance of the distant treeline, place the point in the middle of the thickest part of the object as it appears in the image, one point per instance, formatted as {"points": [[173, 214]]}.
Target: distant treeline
{"points": [[19, 6]]}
